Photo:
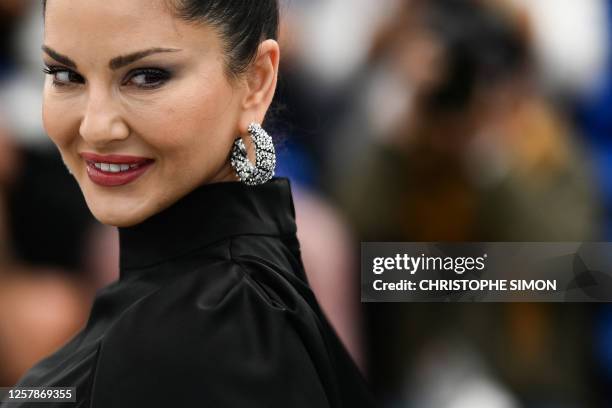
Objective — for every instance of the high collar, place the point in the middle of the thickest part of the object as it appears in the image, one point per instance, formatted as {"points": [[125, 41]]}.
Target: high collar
{"points": [[210, 213]]}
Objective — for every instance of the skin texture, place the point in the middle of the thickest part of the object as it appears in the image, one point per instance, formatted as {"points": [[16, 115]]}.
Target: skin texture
{"points": [[186, 123]]}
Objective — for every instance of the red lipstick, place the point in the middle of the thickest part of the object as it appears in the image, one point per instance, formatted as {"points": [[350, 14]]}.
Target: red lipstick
{"points": [[115, 170]]}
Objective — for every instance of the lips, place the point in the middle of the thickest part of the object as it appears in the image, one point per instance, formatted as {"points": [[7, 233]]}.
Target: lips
{"points": [[115, 170]]}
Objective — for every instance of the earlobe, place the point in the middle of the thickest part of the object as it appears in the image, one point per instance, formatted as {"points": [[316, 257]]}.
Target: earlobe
{"points": [[261, 83]]}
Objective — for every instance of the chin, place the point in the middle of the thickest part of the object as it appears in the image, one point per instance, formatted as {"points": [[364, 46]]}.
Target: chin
{"points": [[119, 217], [118, 220], [115, 207]]}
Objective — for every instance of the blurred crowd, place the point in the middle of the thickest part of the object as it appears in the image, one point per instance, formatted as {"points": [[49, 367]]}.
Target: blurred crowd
{"points": [[396, 120]]}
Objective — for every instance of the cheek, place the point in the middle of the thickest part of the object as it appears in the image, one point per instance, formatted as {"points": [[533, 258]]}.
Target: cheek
{"points": [[193, 124], [60, 120]]}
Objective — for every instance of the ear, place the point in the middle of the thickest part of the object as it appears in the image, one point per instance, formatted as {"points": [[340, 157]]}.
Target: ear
{"points": [[261, 80]]}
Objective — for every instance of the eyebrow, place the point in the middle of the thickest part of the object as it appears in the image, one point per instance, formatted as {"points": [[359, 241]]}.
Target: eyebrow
{"points": [[124, 60], [59, 57], [115, 63]]}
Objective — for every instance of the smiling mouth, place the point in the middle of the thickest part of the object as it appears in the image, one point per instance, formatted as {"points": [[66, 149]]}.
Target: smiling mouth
{"points": [[115, 170], [114, 167]]}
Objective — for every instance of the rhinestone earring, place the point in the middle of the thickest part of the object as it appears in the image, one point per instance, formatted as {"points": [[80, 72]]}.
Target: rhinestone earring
{"points": [[265, 157]]}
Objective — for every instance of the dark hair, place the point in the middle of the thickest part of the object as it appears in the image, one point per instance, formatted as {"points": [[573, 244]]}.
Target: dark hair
{"points": [[481, 44], [243, 24]]}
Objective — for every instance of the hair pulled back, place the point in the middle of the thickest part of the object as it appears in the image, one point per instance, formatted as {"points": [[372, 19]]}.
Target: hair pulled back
{"points": [[243, 25]]}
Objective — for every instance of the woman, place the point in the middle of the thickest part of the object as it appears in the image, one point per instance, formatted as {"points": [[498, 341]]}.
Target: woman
{"points": [[144, 100]]}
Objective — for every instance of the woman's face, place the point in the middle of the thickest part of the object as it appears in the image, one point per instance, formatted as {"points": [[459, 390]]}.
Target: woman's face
{"points": [[139, 104]]}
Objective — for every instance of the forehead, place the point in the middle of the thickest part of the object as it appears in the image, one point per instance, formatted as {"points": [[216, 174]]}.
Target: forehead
{"points": [[108, 27]]}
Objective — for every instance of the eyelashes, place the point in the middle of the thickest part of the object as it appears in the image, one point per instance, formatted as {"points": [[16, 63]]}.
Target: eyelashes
{"points": [[141, 78], [148, 78], [63, 76]]}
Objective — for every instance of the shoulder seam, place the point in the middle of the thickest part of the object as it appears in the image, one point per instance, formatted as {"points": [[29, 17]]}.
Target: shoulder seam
{"points": [[259, 289]]}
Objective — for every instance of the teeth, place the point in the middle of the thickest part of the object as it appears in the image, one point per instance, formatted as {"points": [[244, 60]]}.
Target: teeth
{"points": [[115, 168]]}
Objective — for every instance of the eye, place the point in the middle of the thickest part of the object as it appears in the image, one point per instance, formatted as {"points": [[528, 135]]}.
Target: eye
{"points": [[149, 78], [63, 76]]}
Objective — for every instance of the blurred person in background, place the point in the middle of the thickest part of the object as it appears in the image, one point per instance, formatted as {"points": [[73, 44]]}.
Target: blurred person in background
{"points": [[48, 271], [37, 303], [453, 140], [477, 153]]}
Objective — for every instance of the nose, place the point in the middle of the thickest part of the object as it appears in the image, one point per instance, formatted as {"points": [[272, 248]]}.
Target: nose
{"points": [[103, 122]]}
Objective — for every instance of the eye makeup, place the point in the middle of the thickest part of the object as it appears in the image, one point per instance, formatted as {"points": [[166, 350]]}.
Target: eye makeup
{"points": [[147, 78], [63, 76], [141, 78]]}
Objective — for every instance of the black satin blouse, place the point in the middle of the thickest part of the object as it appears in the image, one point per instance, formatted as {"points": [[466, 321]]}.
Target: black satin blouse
{"points": [[212, 309]]}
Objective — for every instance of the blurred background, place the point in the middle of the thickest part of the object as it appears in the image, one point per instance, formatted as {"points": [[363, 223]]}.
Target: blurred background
{"points": [[396, 120]]}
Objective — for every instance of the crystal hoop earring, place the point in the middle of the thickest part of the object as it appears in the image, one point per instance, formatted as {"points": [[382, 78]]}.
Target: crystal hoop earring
{"points": [[265, 157]]}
